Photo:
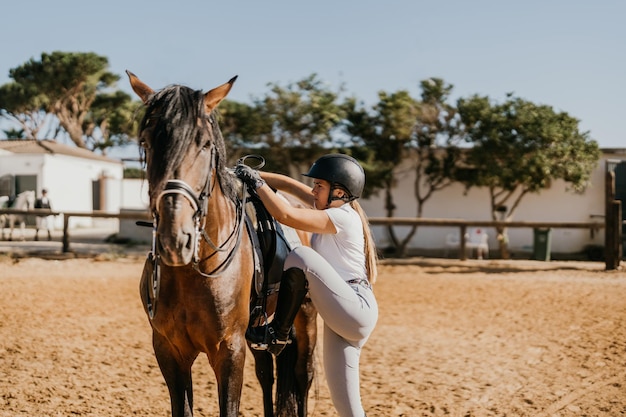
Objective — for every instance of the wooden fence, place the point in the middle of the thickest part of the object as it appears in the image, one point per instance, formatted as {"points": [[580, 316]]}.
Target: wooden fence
{"points": [[377, 221], [464, 224], [68, 214]]}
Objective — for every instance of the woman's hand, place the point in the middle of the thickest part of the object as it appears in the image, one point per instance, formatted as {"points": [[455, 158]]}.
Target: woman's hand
{"points": [[249, 176]]}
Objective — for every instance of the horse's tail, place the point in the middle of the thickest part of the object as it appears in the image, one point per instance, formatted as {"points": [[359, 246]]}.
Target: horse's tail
{"points": [[295, 366], [289, 389]]}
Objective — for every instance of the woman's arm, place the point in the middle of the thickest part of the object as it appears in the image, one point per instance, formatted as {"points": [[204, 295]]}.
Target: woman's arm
{"points": [[290, 186], [309, 220]]}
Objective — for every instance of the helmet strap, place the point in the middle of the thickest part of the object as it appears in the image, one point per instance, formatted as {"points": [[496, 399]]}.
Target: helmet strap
{"points": [[346, 198]]}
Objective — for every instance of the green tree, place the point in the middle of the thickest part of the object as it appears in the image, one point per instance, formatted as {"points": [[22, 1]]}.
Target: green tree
{"points": [[242, 125], [384, 131], [400, 128], [23, 105], [15, 134], [289, 124], [518, 148], [436, 141], [77, 89], [111, 120]]}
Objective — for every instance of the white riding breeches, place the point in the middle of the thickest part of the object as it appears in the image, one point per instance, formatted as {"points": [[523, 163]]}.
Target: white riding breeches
{"points": [[350, 313]]}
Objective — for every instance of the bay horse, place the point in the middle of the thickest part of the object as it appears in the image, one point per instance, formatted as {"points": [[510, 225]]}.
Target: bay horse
{"points": [[23, 201], [198, 282]]}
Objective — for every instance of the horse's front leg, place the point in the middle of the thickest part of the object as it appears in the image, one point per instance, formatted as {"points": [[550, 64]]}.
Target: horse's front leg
{"points": [[175, 366], [23, 231], [228, 367]]}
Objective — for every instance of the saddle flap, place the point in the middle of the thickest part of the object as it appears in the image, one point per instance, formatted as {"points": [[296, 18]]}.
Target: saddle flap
{"points": [[272, 243]]}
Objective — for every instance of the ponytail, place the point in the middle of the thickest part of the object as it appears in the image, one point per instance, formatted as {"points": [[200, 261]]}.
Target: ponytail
{"points": [[371, 257]]}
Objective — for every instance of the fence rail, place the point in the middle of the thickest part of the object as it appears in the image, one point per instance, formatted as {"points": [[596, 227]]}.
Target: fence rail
{"points": [[464, 224], [376, 221], [68, 214]]}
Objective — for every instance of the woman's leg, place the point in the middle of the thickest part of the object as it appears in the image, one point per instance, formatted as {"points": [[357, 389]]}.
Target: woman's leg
{"points": [[341, 365], [349, 311], [350, 314]]}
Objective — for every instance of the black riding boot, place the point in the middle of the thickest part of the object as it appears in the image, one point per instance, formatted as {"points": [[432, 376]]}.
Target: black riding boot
{"points": [[293, 289]]}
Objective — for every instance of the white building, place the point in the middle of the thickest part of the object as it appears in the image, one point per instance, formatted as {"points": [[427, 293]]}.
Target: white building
{"points": [[76, 179], [556, 204]]}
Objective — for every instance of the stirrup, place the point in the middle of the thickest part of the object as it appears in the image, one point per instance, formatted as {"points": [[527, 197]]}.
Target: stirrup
{"points": [[257, 337], [270, 338], [276, 344], [259, 346]]}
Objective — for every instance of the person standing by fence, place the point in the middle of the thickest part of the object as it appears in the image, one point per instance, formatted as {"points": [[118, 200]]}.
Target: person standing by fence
{"points": [[43, 222]]}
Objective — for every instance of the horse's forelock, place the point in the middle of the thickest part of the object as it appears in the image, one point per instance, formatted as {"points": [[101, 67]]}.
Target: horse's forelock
{"points": [[174, 113]]}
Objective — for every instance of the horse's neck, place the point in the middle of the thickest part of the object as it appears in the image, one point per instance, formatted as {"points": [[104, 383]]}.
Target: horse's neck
{"points": [[21, 201]]}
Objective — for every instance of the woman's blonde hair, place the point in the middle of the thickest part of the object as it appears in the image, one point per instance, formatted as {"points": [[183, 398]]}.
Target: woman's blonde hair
{"points": [[371, 257]]}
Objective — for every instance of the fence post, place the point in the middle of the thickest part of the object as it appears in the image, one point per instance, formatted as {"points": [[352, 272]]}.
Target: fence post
{"points": [[463, 245], [610, 225], [66, 231], [616, 208]]}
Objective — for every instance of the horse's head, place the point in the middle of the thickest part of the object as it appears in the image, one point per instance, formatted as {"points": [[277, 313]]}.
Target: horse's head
{"points": [[183, 150]]}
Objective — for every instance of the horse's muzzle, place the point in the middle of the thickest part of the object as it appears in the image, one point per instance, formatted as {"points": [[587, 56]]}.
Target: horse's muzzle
{"points": [[175, 249]]}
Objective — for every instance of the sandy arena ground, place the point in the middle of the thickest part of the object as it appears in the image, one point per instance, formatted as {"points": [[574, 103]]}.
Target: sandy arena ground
{"points": [[473, 338]]}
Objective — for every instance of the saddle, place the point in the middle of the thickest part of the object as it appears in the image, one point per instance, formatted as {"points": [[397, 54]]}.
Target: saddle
{"points": [[272, 242]]}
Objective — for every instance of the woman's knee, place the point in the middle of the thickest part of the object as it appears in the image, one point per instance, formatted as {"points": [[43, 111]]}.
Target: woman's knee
{"points": [[301, 257]]}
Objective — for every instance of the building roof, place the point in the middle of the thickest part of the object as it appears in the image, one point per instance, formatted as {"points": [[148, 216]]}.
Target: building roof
{"points": [[31, 146]]}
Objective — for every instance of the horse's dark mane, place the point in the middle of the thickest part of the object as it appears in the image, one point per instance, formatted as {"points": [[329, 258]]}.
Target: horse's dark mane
{"points": [[174, 112]]}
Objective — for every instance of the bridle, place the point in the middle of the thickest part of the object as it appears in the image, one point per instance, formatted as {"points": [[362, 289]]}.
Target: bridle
{"points": [[200, 203]]}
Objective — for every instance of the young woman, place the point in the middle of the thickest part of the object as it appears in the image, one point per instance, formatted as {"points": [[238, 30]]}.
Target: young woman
{"points": [[337, 270]]}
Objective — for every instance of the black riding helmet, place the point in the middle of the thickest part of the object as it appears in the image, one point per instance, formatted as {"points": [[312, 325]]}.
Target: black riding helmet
{"points": [[340, 171]]}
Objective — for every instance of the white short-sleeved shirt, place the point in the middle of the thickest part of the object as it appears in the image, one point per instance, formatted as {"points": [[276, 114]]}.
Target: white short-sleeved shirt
{"points": [[345, 250]]}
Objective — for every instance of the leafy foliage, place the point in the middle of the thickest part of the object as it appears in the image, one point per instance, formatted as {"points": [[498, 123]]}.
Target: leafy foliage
{"points": [[291, 123], [519, 147], [75, 88], [400, 128]]}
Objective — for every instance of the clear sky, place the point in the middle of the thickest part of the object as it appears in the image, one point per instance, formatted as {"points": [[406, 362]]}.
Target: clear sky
{"points": [[569, 54]]}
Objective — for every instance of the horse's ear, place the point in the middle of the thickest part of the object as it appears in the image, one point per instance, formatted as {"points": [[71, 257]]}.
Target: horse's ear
{"points": [[216, 95], [139, 87]]}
